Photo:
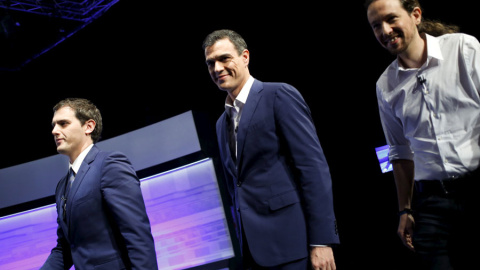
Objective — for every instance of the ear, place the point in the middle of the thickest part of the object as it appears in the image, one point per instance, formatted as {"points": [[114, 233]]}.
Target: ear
{"points": [[417, 15], [245, 57], [89, 126]]}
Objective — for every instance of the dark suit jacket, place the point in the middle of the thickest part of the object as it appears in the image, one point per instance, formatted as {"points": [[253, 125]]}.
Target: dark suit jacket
{"points": [[280, 182], [106, 223]]}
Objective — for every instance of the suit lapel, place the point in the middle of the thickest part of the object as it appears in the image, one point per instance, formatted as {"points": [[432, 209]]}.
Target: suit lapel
{"points": [[225, 145], [247, 113], [77, 183]]}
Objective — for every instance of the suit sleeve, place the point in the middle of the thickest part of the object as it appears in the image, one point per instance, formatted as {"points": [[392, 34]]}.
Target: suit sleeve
{"points": [[122, 193], [293, 117]]}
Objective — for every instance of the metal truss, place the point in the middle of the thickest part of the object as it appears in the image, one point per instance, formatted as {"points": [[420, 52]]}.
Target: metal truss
{"points": [[78, 10]]}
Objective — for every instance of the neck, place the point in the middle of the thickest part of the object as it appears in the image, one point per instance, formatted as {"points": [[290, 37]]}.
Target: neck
{"points": [[75, 155], [415, 55], [235, 92]]}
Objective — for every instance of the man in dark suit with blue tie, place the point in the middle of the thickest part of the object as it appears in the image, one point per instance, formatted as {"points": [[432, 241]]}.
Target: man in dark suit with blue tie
{"points": [[102, 221], [275, 169]]}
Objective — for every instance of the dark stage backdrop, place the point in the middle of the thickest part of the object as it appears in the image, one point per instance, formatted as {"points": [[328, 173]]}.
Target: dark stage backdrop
{"points": [[142, 62]]}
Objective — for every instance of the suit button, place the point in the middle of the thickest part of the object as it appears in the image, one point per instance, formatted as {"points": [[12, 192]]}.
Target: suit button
{"points": [[239, 184]]}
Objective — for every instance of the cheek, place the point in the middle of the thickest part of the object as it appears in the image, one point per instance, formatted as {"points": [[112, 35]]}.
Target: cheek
{"points": [[233, 65]]}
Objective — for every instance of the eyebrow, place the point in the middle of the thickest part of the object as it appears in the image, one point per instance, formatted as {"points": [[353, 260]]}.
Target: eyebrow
{"points": [[59, 121], [218, 57], [386, 17]]}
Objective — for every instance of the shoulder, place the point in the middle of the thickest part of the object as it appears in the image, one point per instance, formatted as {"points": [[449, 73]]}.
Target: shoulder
{"points": [[283, 93], [460, 45], [455, 36], [388, 75], [277, 88], [460, 38], [97, 155]]}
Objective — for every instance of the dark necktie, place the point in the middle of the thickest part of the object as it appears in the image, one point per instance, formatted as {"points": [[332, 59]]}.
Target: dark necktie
{"points": [[68, 184], [232, 138], [71, 177]]}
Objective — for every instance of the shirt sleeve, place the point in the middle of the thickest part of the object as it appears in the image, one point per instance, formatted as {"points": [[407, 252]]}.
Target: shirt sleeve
{"points": [[393, 129], [471, 54]]}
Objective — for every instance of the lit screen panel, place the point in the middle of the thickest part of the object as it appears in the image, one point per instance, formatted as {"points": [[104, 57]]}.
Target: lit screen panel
{"points": [[27, 238], [382, 155], [185, 210]]}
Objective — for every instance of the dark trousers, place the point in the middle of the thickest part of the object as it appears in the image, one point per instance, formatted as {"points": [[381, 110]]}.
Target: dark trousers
{"points": [[447, 229], [250, 264]]}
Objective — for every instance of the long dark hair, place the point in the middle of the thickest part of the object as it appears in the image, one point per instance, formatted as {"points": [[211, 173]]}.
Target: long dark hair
{"points": [[432, 27]]}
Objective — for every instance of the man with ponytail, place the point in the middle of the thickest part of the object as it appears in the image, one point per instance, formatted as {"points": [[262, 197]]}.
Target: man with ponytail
{"points": [[429, 107]]}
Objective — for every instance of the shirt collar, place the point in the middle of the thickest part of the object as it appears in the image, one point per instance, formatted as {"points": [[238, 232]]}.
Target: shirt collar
{"points": [[433, 47], [433, 52], [76, 164], [241, 99]]}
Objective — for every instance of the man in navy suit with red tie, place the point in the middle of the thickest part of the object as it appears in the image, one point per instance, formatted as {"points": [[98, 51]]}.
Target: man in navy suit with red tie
{"points": [[102, 221], [275, 169]]}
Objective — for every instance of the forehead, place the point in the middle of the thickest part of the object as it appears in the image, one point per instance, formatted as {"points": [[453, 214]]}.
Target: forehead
{"points": [[381, 8], [64, 112], [221, 47]]}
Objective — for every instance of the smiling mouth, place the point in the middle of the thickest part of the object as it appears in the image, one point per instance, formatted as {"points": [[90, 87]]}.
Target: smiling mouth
{"points": [[391, 40], [221, 77]]}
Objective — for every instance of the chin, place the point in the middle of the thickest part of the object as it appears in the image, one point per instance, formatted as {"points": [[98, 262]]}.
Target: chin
{"points": [[61, 150], [222, 87]]}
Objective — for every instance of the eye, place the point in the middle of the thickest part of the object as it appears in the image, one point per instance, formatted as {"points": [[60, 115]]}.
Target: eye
{"points": [[392, 19], [61, 123], [225, 59]]}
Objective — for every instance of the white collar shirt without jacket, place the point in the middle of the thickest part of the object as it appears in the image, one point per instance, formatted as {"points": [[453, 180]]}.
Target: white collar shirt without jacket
{"points": [[431, 114]]}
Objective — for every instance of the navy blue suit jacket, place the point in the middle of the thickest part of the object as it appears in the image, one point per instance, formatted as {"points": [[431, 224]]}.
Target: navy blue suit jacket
{"points": [[280, 182], [106, 225]]}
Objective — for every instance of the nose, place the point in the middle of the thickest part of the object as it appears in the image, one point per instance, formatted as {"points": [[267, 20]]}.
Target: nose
{"points": [[218, 67], [55, 130], [386, 29]]}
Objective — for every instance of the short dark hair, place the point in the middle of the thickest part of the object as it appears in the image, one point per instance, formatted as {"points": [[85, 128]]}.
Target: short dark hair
{"points": [[84, 111], [237, 40]]}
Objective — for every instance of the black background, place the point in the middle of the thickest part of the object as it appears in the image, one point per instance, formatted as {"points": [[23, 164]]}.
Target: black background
{"points": [[142, 62]]}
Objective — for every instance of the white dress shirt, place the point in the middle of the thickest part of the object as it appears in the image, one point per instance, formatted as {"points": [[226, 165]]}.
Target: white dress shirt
{"points": [[234, 109], [431, 114], [78, 161]]}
